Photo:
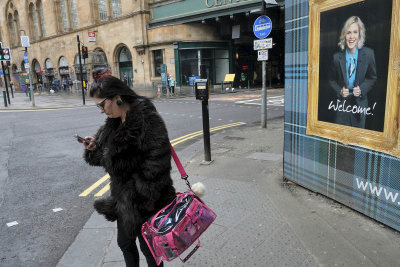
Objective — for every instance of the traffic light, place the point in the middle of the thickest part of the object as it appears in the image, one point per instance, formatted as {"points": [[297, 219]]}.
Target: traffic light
{"points": [[1, 53], [84, 52]]}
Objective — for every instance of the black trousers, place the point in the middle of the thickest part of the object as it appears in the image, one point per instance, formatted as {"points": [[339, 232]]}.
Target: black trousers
{"points": [[130, 250]]}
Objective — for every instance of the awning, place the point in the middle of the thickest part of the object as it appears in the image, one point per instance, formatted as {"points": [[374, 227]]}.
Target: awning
{"points": [[209, 13]]}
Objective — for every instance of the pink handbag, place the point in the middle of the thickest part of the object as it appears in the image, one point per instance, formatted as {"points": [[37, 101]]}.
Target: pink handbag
{"points": [[177, 226]]}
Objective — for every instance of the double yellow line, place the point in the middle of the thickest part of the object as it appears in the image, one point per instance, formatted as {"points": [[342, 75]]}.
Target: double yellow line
{"points": [[173, 143]]}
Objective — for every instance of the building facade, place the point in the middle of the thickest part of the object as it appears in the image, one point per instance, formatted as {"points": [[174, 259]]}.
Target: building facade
{"points": [[134, 38]]}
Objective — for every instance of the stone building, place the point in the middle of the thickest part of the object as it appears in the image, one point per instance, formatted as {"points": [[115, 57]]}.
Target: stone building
{"points": [[132, 37]]}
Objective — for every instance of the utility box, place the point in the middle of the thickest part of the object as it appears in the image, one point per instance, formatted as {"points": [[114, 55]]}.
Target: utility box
{"points": [[201, 89]]}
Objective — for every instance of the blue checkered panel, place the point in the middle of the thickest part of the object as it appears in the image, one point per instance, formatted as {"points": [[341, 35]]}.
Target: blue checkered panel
{"points": [[365, 180]]}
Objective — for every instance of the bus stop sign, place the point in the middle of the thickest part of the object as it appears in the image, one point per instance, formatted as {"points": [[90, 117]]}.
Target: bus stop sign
{"points": [[262, 27]]}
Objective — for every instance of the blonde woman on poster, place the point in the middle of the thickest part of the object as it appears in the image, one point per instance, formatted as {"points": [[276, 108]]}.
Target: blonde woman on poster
{"points": [[353, 74]]}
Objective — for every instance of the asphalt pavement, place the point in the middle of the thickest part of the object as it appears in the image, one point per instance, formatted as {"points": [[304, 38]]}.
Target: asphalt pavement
{"points": [[262, 220]]}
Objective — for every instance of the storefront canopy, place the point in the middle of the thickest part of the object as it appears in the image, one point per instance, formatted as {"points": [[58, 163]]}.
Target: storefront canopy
{"points": [[170, 13]]}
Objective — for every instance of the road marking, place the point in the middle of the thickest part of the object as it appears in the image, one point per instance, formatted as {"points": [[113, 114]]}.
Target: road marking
{"points": [[103, 190], [57, 209], [12, 223], [94, 186], [174, 142]]}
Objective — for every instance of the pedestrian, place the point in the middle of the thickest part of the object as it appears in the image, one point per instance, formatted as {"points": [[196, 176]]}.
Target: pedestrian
{"points": [[125, 79], [64, 84], [133, 147], [171, 83]]}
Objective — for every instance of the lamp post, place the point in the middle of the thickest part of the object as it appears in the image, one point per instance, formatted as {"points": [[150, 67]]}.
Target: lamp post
{"points": [[25, 43]]}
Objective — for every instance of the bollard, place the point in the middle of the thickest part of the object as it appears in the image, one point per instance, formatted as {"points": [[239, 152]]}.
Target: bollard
{"points": [[5, 99]]}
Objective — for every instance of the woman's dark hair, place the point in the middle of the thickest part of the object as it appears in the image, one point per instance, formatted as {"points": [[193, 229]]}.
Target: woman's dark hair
{"points": [[107, 86]]}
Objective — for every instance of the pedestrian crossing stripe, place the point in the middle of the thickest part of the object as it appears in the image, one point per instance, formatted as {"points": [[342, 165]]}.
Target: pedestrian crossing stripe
{"points": [[174, 142]]}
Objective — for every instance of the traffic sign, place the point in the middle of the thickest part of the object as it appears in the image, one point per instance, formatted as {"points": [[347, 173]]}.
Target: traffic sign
{"points": [[25, 41], [263, 44], [262, 27], [5, 52], [26, 59], [262, 55], [26, 65], [92, 36]]}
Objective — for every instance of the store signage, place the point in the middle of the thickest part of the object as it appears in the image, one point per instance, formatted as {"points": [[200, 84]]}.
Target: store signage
{"points": [[92, 36], [263, 44], [262, 55], [216, 3], [262, 27]]}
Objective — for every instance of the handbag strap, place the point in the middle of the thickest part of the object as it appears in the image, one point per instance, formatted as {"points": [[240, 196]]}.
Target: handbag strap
{"points": [[178, 163]]}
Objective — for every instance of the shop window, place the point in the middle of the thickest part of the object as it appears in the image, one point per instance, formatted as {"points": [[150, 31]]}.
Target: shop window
{"points": [[158, 61], [189, 61], [353, 73], [221, 65]]}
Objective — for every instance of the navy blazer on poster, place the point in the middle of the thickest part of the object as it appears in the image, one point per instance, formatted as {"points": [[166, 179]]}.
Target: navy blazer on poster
{"points": [[365, 78]]}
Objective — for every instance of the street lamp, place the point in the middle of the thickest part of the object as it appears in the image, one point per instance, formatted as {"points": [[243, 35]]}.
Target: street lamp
{"points": [[25, 43]]}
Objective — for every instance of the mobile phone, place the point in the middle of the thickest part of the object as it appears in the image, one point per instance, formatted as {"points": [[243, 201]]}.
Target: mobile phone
{"points": [[81, 139]]}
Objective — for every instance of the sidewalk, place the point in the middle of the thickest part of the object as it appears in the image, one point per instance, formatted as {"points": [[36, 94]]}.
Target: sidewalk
{"points": [[261, 220], [45, 101]]}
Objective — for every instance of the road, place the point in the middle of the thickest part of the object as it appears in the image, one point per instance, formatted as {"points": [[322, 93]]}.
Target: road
{"points": [[43, 172]]}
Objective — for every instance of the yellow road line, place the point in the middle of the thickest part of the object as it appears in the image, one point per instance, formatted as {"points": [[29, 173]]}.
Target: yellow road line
{"points": [[173, 143], [94, 186], [103, 190], [195, 133], [211, 130]]}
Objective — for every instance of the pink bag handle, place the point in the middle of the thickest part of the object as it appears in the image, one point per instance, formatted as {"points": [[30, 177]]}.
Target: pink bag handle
{"points": [[178, 163]]}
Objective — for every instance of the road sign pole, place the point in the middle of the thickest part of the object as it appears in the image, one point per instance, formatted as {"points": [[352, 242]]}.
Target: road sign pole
{"points": [[5, 82], [264, 97], [30, 80], [80, 66]]}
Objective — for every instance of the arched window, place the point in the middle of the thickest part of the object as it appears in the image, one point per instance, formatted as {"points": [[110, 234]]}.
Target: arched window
{"points": [[102, 9], [74, 16], [33, 21], [16, 28], [41, 17], [64, 15], [116, 8], [11, 30], [13, 24]]}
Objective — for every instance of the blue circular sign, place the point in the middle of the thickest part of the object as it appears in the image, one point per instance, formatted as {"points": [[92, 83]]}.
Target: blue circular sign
{"points": [[26, 60], [262, 27]]}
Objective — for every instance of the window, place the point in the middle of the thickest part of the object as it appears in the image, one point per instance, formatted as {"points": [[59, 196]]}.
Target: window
{"points": [[102, 9], [74, 16], [64, 15], [189, 66], [158, 61], [41, 14], [116, 8]]}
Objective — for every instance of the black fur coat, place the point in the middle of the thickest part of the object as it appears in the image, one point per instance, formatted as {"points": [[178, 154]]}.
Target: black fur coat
{"points": [[137, 156]]}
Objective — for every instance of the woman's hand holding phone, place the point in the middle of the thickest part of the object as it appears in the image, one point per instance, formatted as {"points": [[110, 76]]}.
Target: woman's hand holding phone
{"points": [[89, 142]]}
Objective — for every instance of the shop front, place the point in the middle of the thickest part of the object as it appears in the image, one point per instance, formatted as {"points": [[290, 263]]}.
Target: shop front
{"points": [[231, 24], [215, 57]]}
